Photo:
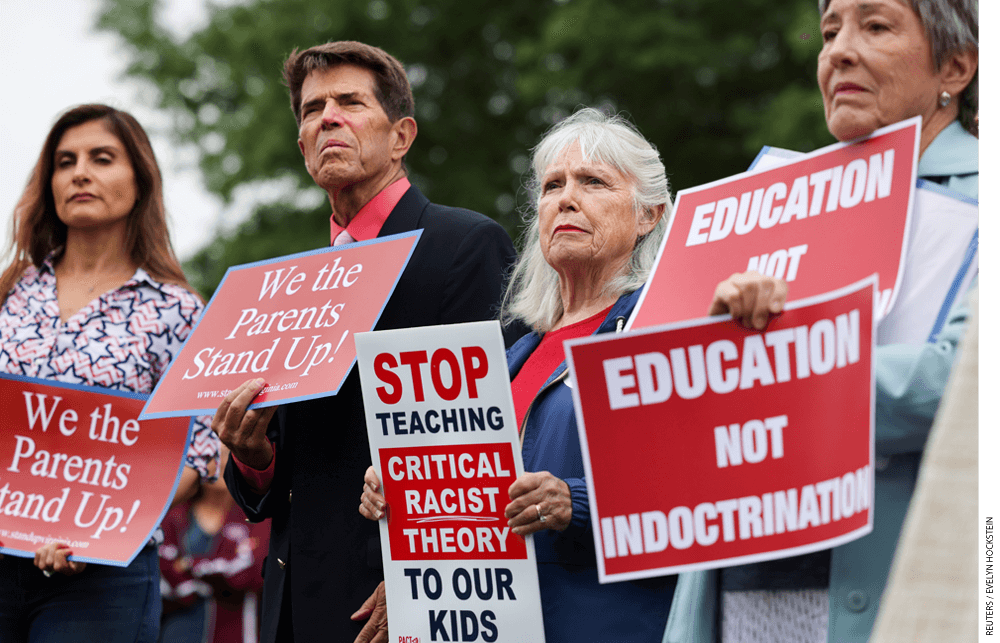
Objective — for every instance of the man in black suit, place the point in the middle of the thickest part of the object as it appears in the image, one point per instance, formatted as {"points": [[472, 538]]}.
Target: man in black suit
{"points": [[355, 113]]}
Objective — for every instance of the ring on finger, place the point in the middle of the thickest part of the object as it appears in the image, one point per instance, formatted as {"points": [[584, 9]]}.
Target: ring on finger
{"points": [[541, 516], [48, 573]]}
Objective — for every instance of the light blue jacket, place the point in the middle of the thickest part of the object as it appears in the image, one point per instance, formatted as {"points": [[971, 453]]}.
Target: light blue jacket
{"points": [[909, 382]]}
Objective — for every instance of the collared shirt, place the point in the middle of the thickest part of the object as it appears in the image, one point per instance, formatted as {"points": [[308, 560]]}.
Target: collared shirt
{"points": [[365, 226], [952, 160], [124, 339], [369, 220]]}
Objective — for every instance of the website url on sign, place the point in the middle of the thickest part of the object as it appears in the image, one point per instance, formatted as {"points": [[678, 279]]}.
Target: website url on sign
{"points": [[222, 393], [36, 539], [267, 389]]}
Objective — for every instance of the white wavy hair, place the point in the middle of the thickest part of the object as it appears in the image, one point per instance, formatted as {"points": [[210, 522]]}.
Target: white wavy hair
{"points": [[533, 294]]}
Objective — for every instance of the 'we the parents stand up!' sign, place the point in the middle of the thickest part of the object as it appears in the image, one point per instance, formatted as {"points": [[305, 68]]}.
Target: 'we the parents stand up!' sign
{"points": [[287, 320], [80, 469]]}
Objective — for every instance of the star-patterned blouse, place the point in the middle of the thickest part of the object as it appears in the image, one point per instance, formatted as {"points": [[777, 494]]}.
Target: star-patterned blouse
{"points": [[122, 340]]}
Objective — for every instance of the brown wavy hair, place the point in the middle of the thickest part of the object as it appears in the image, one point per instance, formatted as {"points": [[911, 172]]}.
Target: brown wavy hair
{"points": [[392, 88], [38, 232]]}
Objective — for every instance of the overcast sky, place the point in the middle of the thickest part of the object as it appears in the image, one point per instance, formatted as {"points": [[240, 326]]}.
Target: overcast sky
{"points": [[52, 60]]}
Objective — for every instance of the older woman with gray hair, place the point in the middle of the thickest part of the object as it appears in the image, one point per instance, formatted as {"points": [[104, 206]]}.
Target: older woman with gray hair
{"points": [[601, 207], [600, 203], [882, 61]]}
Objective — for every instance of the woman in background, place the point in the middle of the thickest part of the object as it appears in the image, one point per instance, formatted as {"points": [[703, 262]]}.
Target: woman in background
{"points": [[211, 561], [94, 296]]}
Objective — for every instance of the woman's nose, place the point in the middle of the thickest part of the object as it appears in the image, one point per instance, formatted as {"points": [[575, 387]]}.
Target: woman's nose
{"points": [[81, 174], [843, 49], [567, 198]]}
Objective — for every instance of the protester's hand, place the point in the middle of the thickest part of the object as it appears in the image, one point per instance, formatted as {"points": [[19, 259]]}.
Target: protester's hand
{"points": [[243, 431], [372, 501], [538, 501], [53, 558], [376, 630], [751, 298]]}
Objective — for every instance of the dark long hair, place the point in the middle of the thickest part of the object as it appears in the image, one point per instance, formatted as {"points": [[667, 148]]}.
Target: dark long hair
{"points": [[38, 231]]}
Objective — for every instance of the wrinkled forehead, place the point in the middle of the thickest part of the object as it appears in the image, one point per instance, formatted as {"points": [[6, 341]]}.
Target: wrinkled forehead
{"points": [[577, 147], [338, 79]]}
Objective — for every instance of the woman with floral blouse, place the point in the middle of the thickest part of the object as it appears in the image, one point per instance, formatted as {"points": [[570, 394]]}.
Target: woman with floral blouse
{"points": [[95, 296]]}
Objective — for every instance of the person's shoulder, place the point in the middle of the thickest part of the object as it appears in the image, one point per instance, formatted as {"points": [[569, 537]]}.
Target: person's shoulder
{"points": [[175, 293], [30, 274], [458, 218], [954, 154], [166, 296], [415, 212], [523, 346], [182, 294]]}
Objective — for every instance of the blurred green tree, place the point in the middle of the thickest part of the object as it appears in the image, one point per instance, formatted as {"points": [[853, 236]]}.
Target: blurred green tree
{"points": [[708, 81]]}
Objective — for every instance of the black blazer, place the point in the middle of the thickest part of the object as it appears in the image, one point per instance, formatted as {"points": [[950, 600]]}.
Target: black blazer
{"points": [[324, 559]]}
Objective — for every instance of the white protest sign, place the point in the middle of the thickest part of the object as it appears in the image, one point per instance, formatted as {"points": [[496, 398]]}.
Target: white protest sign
{"points": [[942, 257], [444, 443]]}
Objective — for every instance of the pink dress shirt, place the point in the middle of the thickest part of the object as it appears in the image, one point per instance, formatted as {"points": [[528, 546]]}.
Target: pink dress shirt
{"points": [[365, 226]]}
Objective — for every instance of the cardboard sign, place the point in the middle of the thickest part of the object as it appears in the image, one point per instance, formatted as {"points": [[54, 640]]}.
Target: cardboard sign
{"points": [[741, 445], [942, 257], [830, 218], [79, 468], [443, 437], [287, 320]]}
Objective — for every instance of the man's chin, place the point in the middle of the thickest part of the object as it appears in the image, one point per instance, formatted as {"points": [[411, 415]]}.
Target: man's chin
{"points": [[336, 177]]}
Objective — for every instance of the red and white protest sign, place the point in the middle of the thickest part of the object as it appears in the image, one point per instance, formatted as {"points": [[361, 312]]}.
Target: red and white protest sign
{"points": [[829, 218], [709, 445], [942, 257], [443, 438], [79, 468], [288, 320]]}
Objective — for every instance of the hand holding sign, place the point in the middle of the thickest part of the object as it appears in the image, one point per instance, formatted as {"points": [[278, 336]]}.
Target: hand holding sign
{"points": [[288, 320], [242, 430], [538, 501], [372, 500], [772, 431], [443, 438], [54, 557], [83, 476], [376, 630], [751, 298]]}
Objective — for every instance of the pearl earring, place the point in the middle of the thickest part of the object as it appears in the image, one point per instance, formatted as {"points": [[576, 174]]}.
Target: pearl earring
{"points": [[945, 99]]}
